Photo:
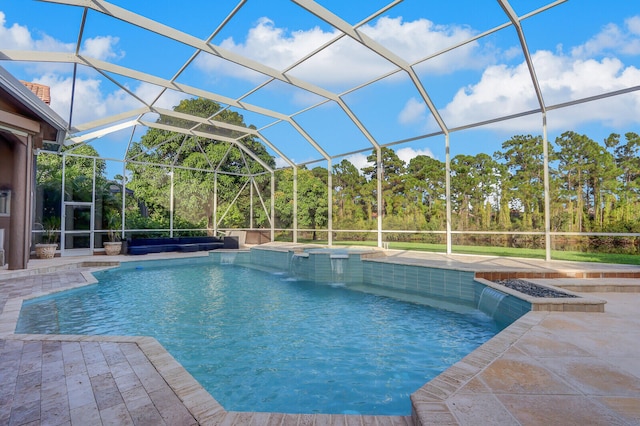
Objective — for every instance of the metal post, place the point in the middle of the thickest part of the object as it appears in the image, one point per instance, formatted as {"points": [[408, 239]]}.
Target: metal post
{"points": [[295, 204], [273, 205], [124, 200], [448, 189], [31, 208], [547, 201], [92, 224], [330, 206], [63, 213], [251, 202], [379, 187], [171, 205], [215, 203]]}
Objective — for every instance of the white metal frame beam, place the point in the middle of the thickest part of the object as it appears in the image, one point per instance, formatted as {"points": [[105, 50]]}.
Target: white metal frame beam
{"points": [[516, 22], [86, 132]]}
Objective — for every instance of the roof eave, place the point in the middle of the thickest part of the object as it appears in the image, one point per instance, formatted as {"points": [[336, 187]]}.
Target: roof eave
{"points": [[21, 93]]}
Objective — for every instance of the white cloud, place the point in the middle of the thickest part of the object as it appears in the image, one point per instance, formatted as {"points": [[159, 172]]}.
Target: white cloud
{"points": [[359, 160], [87, 94], [504, 90], [92, 103], [408, 153], [609, 38], [633, 24], [612, 39], [169, 99], [414, 111], [19, 37], [92, 100], [280, 163], [279, 49], [414, 40], [267, 44], [632, 46], [345, 63], [589, 69], [102, 47]]}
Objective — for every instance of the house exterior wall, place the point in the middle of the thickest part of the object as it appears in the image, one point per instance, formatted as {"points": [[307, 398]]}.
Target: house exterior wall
{"points": [[25, 124], [6, 175]]}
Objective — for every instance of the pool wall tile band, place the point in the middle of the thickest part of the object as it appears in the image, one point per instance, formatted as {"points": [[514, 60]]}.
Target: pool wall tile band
{"points": [[148, 264], [319, 266]]}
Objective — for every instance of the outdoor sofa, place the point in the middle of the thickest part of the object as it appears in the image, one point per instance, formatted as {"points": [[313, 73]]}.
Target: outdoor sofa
{"points": [[181, 244]]}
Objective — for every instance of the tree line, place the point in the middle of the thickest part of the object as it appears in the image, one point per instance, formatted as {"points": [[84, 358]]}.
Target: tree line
{"points": [[594, 187]]}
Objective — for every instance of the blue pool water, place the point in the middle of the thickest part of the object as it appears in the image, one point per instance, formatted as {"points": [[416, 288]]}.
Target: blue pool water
{"points": [[264, 342]]}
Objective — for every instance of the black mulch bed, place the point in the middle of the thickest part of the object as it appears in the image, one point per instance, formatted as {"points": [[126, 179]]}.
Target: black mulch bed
{"points": [[532, 289]]}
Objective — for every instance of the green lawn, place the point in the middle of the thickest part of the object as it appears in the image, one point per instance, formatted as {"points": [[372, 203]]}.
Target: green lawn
{"points": [[576, 256]]}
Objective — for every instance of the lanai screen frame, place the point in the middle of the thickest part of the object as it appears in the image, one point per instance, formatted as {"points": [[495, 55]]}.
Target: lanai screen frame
{"points": [[86, 132]]}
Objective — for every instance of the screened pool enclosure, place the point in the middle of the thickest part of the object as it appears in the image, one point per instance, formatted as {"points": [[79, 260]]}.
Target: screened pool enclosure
{"points": [[394, 124]]}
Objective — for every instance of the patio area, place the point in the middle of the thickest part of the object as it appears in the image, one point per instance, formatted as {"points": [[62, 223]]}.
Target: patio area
{"points": [[546, 368], [461, 127]]}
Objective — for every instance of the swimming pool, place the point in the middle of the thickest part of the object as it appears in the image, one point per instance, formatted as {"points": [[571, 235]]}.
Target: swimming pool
{"points": [[266, 342]]}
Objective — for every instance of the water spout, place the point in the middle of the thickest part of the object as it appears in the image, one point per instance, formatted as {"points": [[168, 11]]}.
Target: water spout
{"points": [[489, 301], [227, 258], [338, 268], [295, 265]]}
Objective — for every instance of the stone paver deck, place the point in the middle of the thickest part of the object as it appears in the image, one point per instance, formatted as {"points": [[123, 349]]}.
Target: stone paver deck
{"points": [[546, 368]]}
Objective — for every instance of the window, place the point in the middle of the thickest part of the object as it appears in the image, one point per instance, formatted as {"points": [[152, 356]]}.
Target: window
{"points": [[5, 202]]}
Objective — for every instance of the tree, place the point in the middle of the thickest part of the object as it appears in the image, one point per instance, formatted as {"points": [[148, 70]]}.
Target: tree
{"points": [[283, 198], [426, 184], [575, 156], [473, 182], [313, 206], [347, 187], [78, 180], [393, 170], [199, 157], [602, 185], [312, 199], [523, 182], [627, 158]]}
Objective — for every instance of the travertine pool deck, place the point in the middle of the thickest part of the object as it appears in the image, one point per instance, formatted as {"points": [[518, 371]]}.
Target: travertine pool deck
{"points": [[546, 368]]}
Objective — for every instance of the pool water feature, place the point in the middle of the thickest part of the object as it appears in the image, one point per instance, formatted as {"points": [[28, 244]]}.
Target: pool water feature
{"points": [[439, 287], [338, 266], [489, 301], [267, 342]]}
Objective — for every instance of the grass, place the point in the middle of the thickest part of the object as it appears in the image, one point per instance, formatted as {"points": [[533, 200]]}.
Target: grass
{"points": [[575, 256]]}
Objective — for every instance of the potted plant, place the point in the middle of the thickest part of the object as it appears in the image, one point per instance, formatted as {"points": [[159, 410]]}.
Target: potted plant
{"points": [[114, 245], [47, 248]]}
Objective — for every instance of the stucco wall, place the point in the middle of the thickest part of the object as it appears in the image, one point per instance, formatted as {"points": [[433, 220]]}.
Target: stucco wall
{"points": [[6, 172]]}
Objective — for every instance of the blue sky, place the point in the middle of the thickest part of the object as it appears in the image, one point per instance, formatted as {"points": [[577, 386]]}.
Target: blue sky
{"points": [[579, 48]]}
